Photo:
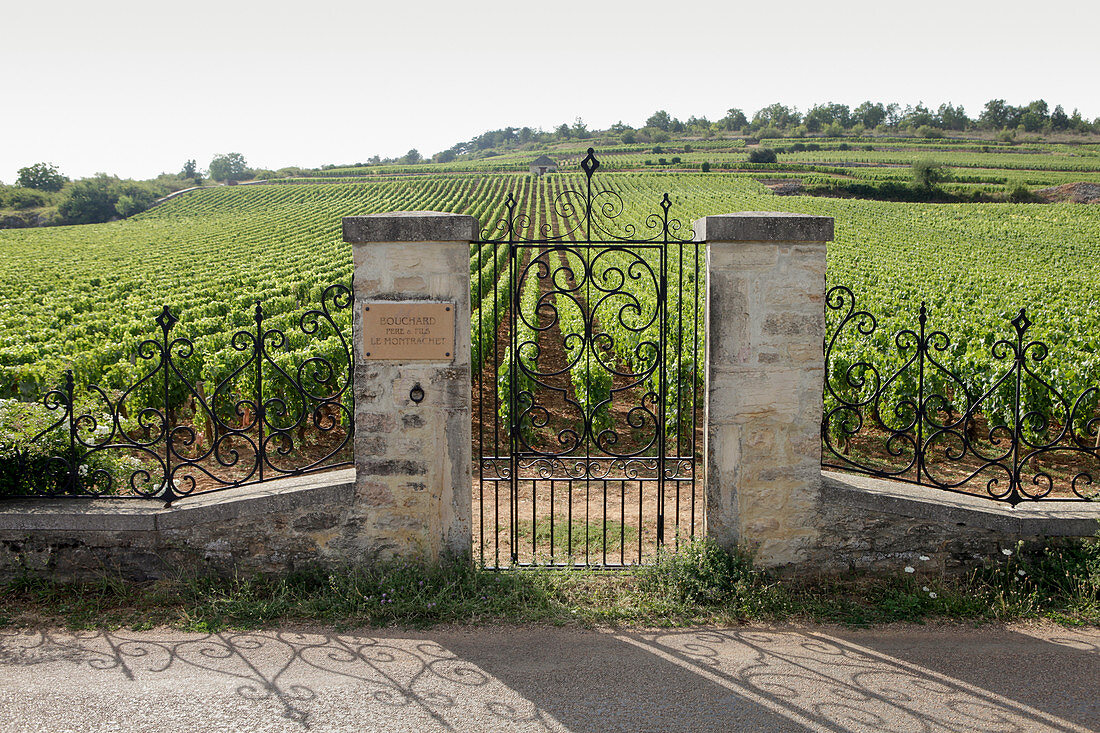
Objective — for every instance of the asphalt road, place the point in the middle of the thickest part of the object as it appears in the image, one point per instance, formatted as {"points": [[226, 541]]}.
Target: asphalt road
{"points": [[1017, 678]]}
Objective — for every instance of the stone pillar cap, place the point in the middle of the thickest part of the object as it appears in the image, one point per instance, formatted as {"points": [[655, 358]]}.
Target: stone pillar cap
{"points": [[764, 226], [410, 226]]}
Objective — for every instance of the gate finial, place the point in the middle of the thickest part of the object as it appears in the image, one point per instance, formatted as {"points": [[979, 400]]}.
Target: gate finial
{"points": [[590, 164]]}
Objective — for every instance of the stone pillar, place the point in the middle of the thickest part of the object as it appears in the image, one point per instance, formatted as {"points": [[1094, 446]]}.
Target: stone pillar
{"points": [[412, 458], [765, 327]]}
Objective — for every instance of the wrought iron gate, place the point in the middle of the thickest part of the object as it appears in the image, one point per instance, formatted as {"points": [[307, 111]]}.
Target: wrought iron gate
{"points": [[587, 331]]}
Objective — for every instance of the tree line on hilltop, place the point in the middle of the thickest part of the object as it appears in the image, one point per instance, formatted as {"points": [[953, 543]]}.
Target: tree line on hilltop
{"points": [[43, 196], [779, 120]]}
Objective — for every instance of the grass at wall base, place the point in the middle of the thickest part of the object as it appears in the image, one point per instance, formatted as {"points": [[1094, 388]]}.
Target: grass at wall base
{"points": [[700, 584]]}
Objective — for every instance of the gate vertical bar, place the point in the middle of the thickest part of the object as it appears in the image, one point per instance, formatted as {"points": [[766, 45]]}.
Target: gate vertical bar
{"points": [[513, 406], [662, 381], [261, 454]]}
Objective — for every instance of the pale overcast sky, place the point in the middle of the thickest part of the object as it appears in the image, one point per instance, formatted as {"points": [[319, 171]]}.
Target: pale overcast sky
{"points": [[137, 88]]}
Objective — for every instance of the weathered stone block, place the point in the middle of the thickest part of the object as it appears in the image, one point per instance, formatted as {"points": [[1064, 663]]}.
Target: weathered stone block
{"points": [[764, 226], [424, 466], [410, 226], [765, 330]]}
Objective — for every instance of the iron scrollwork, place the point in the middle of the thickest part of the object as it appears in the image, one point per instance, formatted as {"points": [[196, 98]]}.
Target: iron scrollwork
{"points": [[916, 420], [591, 215], [587, 392], [251, 428], [595, 298]]}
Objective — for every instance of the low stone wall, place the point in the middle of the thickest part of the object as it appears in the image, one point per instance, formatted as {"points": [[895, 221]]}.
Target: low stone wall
{"points": [[871, 525], [410, 493], [269, 528]]}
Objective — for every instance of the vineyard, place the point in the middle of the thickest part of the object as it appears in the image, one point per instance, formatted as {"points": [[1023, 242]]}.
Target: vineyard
{"points": [[82, 298], [992, 166]]}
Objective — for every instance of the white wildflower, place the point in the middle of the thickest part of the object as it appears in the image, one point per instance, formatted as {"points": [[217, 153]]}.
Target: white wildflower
{"points": [[1006, 551], [83, 470], [924, 558], [924, 588], [932, 595], [910, 569], [1021, 573]]}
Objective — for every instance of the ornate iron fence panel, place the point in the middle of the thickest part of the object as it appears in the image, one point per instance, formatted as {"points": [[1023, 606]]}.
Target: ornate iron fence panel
{"points": [[907, 415], [169, 435], [587, 330]]}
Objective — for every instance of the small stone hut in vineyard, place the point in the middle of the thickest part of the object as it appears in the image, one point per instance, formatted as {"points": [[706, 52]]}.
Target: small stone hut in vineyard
{"points": [[543, 165]]}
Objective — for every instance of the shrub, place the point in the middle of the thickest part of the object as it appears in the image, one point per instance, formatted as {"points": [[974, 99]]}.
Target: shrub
{"points": [[706, 166], [929, 132], [1021, 194], [762, 155], [928, 174], [18, 197], [769, 132], [30, 466], [700, 571], [97, 199], [675, 159]]}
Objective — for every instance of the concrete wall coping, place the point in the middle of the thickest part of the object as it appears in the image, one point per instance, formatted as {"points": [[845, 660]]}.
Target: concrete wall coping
{"points": [[140, 515], [764, 226], [1047, 518], [410, 226]]}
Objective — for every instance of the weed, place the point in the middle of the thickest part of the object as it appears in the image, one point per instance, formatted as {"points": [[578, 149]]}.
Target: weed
{"points": [[699, 583]]}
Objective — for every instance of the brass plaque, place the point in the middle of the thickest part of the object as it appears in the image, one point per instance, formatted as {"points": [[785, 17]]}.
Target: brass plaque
{"points": [[408, 331]]}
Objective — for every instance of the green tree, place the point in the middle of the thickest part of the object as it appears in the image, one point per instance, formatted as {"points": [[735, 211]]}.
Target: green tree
{"points": [[998, 115], [41, 176], [1059, 120], [103, 198], [952, 117], [412, 157], [871, 114], [928, 175], [776, 115], [128, 206], [659, 119], [734, 120], [90, 200], [580, 130], [228, 167]]}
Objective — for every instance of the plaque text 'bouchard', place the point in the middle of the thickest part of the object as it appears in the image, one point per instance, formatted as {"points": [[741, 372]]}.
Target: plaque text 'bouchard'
{"points": [[408, 331]]}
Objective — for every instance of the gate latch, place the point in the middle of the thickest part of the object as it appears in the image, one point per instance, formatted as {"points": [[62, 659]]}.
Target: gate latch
{"points": [[416, 394]]}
